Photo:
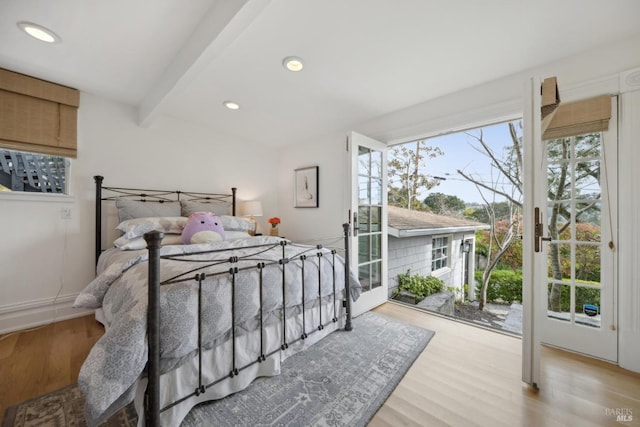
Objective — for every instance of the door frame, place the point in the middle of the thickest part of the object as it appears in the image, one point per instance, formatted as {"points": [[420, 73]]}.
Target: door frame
{"points": [[531, 265]]}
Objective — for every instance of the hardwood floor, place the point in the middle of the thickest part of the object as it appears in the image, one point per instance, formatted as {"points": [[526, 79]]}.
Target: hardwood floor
{"points": [[466, 376], [44, 359], [469, 376]]}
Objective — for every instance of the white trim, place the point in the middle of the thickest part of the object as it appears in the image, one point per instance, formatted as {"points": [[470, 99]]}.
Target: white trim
{"points": [[434, 231], [630, 80], [28, 196], [24, 315], [441, 271], [470, 119], [601, 86], [629, 235]]}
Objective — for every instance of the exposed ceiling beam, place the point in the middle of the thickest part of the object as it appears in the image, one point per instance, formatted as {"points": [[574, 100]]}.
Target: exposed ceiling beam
{"points": [[224, 22]]}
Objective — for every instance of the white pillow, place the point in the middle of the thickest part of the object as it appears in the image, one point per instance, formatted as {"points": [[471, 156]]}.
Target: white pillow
{"points": [[136, 243], [235, 235], [236, 223], [137, 227]]}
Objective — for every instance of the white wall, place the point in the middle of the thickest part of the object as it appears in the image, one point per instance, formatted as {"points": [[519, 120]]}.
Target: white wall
{"points": [[301, 224], [43, 256], [499, 99]]}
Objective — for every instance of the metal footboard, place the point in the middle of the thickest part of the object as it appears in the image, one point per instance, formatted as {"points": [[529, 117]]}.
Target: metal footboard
{"points": [[152, 402]]}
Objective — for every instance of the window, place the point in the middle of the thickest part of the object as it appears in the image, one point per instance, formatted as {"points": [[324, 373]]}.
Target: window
{"points": [[31, 172], [38, 134], [439, 253]]}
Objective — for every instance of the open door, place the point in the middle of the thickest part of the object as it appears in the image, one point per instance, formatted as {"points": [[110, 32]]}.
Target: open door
{"points": [[368, 214], [577, 236], [569, 256]]}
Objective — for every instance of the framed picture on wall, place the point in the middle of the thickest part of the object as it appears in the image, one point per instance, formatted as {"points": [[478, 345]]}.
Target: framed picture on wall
{"points": [[306, 187]]}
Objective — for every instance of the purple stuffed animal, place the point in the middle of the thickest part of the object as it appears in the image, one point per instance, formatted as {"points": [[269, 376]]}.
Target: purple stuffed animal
{"points": [[202, 227]]}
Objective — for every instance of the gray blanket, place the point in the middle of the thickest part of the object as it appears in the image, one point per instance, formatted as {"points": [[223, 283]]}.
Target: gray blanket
{"points": [[110, 372]]}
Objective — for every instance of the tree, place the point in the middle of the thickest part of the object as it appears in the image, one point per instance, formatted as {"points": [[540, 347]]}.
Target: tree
{"points": [[505, 182], [406, 178], [443, 204], [499, 241], [512, 258], [502, 211], [560, 191]]}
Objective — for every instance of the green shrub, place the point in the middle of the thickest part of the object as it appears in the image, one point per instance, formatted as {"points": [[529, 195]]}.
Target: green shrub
{"points": [[504, 285], [583, 296], [420, 286]]}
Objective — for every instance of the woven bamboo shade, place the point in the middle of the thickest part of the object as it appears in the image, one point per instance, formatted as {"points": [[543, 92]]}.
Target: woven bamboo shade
{"points": [[37, 116], [579, 118]]}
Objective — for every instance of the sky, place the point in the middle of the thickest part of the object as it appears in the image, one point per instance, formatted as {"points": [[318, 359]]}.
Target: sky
{"points": [[460, 154]]}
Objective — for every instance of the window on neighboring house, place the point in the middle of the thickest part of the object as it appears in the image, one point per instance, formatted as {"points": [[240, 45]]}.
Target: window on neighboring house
{"points": [[31, 172], [439, 253]]}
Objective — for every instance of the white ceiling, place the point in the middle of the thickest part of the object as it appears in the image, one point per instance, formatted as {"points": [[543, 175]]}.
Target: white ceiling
{"points": [[363, 58]]}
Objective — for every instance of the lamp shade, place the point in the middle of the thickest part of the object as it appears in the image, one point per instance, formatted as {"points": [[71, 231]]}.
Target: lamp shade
{"points": [[251, 208]]}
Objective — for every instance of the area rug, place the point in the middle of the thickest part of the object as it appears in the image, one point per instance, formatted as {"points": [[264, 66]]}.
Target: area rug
{"points": [[340, 381]]}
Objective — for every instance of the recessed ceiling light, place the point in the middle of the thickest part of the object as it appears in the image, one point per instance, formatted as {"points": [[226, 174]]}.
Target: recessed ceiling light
{"points": [[231, 105], [293, 63], [39, 32]]}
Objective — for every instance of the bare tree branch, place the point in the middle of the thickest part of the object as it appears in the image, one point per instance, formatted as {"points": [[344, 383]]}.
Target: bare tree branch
{"points": [[498, 164], [486, 187]]}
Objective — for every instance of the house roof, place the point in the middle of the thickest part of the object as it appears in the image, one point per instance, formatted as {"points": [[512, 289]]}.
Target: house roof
{"points": [[408, 223]]}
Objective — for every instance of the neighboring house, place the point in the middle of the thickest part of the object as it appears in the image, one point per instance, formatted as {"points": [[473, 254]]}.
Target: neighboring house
{"points": [[430, 244]]}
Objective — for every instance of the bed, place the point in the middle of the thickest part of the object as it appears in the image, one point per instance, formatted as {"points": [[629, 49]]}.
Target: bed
{"points": [[186, 324]]}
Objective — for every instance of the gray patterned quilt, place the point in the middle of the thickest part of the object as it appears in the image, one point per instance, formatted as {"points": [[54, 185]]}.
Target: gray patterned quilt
{"points": [[109, 375]]}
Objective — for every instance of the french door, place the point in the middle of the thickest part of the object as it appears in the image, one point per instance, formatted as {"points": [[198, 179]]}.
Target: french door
{"points": [[575, 241], [368, 217]]}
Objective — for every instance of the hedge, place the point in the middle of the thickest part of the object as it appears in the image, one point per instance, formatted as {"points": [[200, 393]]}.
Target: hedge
{"points": [[506, 286]]}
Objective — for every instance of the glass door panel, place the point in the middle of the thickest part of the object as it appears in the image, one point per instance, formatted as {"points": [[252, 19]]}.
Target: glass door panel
{"points": [[368, 174], [580, 266]]}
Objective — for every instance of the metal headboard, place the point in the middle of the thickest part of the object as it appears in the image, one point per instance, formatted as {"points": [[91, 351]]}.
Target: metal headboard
{"points": [[105, 194]]}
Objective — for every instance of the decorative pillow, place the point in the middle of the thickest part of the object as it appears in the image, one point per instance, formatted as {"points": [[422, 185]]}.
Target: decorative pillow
{"points": [[131, 209], [125, 244], [236, 223], [137, 227], [190, 207], [203, 227]]}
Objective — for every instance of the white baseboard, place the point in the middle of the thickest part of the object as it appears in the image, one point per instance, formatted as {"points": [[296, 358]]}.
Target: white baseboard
{"points": [[16, 317]]}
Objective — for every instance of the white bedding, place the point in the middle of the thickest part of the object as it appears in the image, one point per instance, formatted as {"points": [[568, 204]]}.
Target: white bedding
{"points": [[111, 374]]}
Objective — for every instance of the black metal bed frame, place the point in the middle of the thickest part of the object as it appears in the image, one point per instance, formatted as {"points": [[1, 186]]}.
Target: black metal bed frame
{"points": [[151, 196], [152, 393]]}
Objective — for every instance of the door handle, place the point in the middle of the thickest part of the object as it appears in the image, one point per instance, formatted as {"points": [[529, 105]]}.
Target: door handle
{"points": [[356, 227], [539, 231]]}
